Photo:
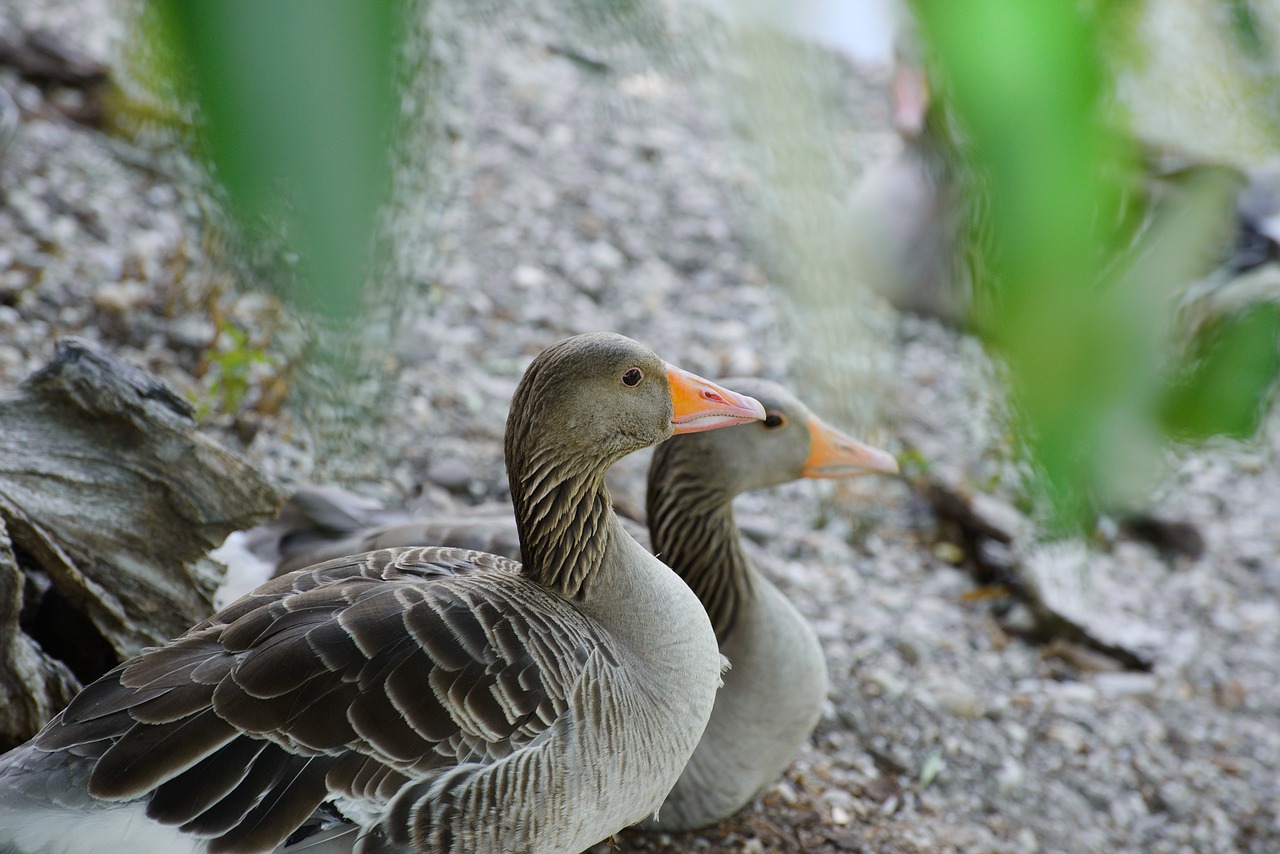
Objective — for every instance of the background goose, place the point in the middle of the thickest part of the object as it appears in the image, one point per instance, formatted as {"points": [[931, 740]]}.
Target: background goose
{"points": [[773, 693], [444, 700], [774, 690]]}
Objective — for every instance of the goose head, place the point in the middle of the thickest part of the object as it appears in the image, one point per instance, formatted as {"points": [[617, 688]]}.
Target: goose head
{"points": [[600, 396], [584, 403], [791, 442]]}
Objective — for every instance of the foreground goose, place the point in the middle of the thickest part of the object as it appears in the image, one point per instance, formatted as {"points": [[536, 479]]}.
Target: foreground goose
{"points": [[443, 700], [774, 690]]}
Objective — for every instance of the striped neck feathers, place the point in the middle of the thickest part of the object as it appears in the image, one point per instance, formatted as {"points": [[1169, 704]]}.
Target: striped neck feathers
{"points": [[692, 529], [562, 515]]}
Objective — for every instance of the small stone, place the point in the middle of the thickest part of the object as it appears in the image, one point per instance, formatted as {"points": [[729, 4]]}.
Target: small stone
{"points": [[838, 798], [948, 552], [1010, 776], [740, 360], [120, 297], [786, 792], [192, 331], [453, 474], [959, 699], [887, 683], [1070, 735], [527, 276], [590, 280], [10, 357], [1126, 684], [1176, 799], [606, 257]]}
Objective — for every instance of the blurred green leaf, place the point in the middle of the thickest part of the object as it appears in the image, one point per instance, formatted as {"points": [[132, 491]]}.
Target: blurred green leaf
{"points": [[1079, 254], [1028, 82], [297, 101], [1222, 389]]}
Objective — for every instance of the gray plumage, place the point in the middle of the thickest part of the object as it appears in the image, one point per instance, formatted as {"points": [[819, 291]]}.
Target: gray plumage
{"points": [[777, 682], [440, 699], [774, 692]]}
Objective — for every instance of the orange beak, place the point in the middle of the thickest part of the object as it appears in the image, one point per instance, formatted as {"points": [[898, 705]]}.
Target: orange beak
{"points": [[833, 454], [702, 405]]}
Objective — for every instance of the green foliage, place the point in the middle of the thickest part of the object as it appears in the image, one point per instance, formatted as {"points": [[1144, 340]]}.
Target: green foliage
{"points": [[1222, 388], [1075, 282], [230, 375], [297, 101]]}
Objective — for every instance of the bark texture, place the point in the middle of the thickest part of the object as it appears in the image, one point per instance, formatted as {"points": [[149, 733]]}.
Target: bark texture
{"points": [[110, 497]]}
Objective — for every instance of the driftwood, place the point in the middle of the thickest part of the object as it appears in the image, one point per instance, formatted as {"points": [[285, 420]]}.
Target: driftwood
{"points": [[1045, 581], [109, 500]]}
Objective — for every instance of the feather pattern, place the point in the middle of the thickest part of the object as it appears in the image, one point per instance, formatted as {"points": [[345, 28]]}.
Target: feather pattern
{"points": [[444, 699], [693, 530]]}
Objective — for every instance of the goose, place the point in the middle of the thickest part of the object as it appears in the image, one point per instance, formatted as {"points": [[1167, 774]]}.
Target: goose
{"points": [[777, 681], [913, 214], [417, 699]]}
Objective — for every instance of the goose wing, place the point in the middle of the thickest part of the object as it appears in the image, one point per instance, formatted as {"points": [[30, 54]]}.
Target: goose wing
{"points": [[349, 679], [491, 533]]}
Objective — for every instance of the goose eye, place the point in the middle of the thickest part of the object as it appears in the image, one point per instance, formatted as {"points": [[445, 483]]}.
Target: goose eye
{"points": [[632, 377], [773, 421]]}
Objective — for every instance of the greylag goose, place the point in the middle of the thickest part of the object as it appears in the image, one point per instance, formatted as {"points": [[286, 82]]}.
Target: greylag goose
{"points": [[435, 699], [773, 693], [777, 681], [915, 215]]}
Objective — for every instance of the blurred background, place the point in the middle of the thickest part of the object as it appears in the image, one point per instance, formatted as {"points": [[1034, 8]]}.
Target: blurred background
{"points": [[1032, 251]]}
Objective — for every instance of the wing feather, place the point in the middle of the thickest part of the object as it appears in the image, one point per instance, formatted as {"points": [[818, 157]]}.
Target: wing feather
{"points": [[360, 677]]}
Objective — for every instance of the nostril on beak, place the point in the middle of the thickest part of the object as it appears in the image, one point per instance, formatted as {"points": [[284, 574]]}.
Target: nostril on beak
{"points": [[711, 395]]}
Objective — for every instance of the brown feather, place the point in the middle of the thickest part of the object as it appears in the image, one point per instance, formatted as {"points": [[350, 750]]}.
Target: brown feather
{"points": [[185, 798], [146, 756], [285, 807]]}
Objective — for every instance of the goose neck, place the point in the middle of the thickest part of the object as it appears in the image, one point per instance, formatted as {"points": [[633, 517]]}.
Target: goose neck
{"points": [[562, 514], [692, 529]]}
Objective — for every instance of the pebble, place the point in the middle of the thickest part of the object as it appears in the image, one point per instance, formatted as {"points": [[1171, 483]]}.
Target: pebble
{"points": [[958, 699], [121, 297], [1126, 684], [526, 276], [1010, 776], [452, 474], [606, 257]]}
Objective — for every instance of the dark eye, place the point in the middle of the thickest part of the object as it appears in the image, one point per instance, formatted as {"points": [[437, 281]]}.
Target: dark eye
{"points": [[774, 420], [632, 377]]}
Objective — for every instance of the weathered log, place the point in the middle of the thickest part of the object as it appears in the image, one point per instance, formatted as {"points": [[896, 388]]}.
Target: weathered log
{"points": [[1047, 580], [110, 498], [35, 686]]}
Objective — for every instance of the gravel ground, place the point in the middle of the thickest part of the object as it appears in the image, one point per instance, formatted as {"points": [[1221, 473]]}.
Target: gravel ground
{"points": [[566, 196]]}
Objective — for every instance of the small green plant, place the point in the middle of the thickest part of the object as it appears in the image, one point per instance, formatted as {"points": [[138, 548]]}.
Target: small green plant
{"points": [[229, 370]]}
